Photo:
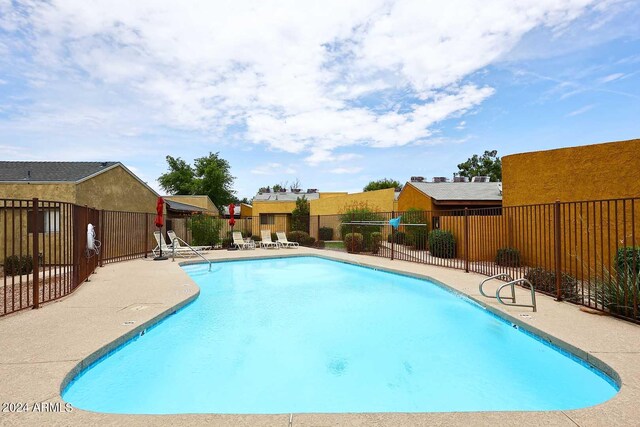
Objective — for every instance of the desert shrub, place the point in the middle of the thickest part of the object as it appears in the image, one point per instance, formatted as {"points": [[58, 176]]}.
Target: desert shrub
{"points": [[301, 237], [508, 257], [205, 230], [15, 265], [615, 292], [442, 244], [416, 234], [353, 242], [357, 213], [319, 244], [325, 233], [399, 237], [376, 242], [626, 259], [545, 281], [227, 242]]}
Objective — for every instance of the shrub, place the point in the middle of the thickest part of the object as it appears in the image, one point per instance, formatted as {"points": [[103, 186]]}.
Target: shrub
{"points": [[360, 212], [545, 281], [353, 242], [376, 242], [442, 244], [399, 237], [418, 238], [616, 294], [416, 234], [205, 230], [15, 265], [227, 242], [256, 238], [626, 258], [508, 257], [301, 237], [319, 244], [325, 233], [300, 215]]}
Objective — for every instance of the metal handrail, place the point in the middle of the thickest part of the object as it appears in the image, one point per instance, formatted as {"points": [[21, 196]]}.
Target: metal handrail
{"points": [[173, 250], [513, 284], [497, 276]]}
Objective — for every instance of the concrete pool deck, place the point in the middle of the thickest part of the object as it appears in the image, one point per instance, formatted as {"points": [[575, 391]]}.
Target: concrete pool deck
{"points": [[39, 348]]}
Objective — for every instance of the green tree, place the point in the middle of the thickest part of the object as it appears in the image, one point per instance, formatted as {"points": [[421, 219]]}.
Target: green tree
{"points": [[180, 178], [210, 175], [381, 184], [489, 164], [300, 215]]}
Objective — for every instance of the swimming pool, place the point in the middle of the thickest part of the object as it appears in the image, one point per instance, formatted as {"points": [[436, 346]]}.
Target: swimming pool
{"points": [[307, 334]]}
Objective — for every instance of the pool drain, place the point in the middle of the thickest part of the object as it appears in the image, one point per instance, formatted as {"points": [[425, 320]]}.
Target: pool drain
{"points": [[129, 322]]}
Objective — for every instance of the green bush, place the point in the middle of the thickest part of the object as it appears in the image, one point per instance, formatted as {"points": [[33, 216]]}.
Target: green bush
{"points": [[325, 233], [15, 265], [376, 242], [301, 237], [300, 215], [442, 244], [415, 234], [359, 213], [319, 244], [545, 281], [626, 258], [205, 230], [418, 238], [353, 242], [399, 237], [508, 257], [227, 242], [616, 294]]}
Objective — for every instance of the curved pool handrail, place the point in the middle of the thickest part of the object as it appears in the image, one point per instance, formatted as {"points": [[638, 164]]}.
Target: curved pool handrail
{"points": [[497, 276], [513, 284]]}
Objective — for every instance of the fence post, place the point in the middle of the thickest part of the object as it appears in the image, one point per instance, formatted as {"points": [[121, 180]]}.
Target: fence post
{"points": [[36, 255], [393, 235], [146, 238], [466, 240], [101, 253], [352, 237], [318, 227], [557, 248]]}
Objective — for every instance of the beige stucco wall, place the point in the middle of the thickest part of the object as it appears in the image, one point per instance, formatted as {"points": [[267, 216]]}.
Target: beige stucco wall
{"points": [[379, 200], [116, 189], [246, 211], [591, 172], [60, 192]]}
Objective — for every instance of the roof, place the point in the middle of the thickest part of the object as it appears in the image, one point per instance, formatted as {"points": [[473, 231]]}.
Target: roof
{"points": [[177, 206], [284, 197], [459, 190], [51, 171]]}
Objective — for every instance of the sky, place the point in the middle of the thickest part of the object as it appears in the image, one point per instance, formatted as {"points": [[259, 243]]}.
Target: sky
{"points": [[332, 93]]}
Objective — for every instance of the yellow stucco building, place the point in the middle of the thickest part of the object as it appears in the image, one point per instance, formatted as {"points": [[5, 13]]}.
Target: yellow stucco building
{"points": [[590, 172]]}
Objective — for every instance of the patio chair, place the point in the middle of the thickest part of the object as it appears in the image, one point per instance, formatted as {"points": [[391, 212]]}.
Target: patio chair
{"points": [[239, 242], [175, 240], [168, 250], [284, 242], [266, 240]]}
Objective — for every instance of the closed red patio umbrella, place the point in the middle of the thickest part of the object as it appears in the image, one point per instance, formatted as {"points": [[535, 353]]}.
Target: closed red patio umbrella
{"points": [[159, 221], [232, 210]]}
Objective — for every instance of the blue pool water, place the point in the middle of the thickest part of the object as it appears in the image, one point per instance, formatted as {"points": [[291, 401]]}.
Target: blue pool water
{"points": [[312, 335]]}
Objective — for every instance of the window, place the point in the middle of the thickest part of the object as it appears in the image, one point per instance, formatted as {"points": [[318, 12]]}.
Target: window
{"points": [[267, 219], [48, 221]]}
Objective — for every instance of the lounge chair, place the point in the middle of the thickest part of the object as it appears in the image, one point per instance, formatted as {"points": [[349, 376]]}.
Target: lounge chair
{"points": [[239, 242], [175, 240], [168, 250], [282, 240], [266, 240]]}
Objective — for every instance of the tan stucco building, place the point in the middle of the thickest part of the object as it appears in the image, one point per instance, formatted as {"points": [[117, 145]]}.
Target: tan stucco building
{"points": [[100, 185]]}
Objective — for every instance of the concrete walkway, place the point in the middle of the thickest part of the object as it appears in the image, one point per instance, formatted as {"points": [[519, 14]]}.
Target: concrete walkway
{"points": [[40, 348]]}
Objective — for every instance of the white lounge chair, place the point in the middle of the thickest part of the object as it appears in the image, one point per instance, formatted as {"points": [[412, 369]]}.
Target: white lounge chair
{"points": [[266, 240], [175, 240], [239, 242], [284, 242], [168, 250]]}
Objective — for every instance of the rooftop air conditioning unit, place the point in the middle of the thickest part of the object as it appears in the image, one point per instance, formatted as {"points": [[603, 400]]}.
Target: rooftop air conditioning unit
{"points": [[295, 190], [312, 190], [439, 179], [480, 178], [417, 178], [459, 179]]}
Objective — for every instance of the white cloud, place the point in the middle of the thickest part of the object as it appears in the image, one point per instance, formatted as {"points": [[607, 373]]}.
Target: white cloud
{"points": [[611, 77], [273, 169], [581, 110], [303, 77]]}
